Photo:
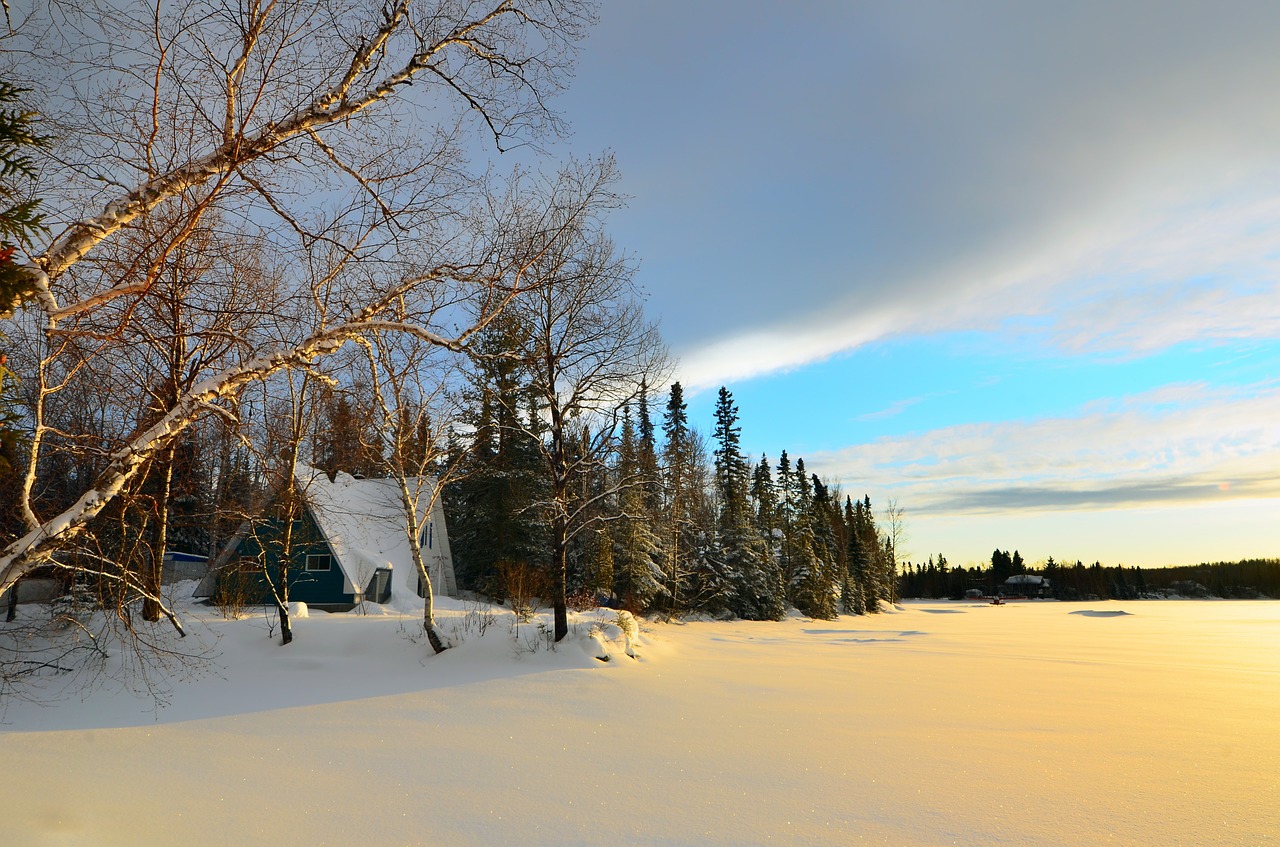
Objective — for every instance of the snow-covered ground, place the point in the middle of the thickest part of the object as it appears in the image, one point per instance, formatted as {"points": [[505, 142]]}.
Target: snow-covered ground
{"points": [[1145, 723]]}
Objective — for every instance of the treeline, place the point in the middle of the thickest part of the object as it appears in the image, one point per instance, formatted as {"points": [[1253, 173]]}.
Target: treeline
{"points": [[652, 517], [1246, 579]]}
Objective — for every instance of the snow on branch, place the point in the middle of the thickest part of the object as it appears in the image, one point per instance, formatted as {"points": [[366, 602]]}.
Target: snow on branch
{"points": [[39, 544]]}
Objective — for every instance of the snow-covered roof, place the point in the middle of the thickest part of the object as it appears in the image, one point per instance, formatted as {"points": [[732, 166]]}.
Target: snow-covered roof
{"points": [[363, 521], [1025, 579]]}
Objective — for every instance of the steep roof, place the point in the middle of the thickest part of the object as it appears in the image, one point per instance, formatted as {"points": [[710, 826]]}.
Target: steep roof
{"points": [[1026, 579], [363, 520]]}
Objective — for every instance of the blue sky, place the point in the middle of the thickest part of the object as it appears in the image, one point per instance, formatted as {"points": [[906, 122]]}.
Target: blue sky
{"points": [[1014, 264]]}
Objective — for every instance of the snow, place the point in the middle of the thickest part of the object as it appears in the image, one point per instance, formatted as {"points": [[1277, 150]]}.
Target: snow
{"points": [[364, 523], [940, 723]]}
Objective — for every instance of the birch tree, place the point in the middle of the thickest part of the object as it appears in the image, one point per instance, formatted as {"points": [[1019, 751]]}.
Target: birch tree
{"points": [[401, 373], [331, 130]]}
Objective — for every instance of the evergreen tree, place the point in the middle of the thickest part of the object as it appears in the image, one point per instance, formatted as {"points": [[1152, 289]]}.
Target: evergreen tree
{"points": [[852, 596], [347, 440], [679, 528], [824, 587], [1001, 569], [648, 453], [637, 552], [754, 582], [19, 218], [785, 518], [809, 587], [598, 576], [1053, 574], [496, 504], [765, 497]]}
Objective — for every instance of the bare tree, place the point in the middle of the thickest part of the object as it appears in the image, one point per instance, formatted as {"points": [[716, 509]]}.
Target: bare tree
{"points": [[329, 130], [588, 347], [404, 391], [895, 539]]}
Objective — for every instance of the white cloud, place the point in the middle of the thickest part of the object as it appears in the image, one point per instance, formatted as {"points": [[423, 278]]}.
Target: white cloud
{"points": [[1130, 281], [1184, 443]]}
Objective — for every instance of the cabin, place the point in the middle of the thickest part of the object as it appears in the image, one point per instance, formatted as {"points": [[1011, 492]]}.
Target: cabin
{"points": [[349, 545], [179, 566], [1026, 585]]}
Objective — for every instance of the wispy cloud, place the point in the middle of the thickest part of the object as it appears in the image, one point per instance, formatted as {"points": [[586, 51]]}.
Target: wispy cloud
{"points": [[1182, 443], [1136, 280]]}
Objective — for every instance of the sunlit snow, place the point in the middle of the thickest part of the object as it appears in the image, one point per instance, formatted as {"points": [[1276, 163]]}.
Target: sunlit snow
{"points": [[1043, 723]]}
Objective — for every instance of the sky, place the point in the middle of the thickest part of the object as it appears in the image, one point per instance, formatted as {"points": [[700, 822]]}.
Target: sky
{"points": [[1013, 265]]}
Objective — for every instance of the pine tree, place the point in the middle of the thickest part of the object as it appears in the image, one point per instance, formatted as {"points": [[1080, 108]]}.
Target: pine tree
{"points": [[347, 440], [812, 589], [495, 506], [678, 526], [826, 587], [637, 552], [872, 567], [754, 582], [19, 220], [598, 576], [647, 453], [19, 215], [765, 498], [852, 597], [785, 518], [1001, 569], [863, 555]]}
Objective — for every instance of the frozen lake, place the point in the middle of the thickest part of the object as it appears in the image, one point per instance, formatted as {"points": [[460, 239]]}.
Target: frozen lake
{"points": [[1141, 723]]}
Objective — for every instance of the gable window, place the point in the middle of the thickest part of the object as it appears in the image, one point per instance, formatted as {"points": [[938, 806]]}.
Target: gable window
{"points": [[425, 537], [319, 562]]}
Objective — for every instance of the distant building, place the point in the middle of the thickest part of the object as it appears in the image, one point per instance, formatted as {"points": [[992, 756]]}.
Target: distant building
{"points": [[1026, 585], [1188, 588]]}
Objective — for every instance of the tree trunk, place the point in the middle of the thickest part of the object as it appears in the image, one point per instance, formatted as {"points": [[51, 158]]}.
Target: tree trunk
{"points": [[414, 529], [434, 639], [154, 567], [286, 631], [560, 603], [281, 591]]}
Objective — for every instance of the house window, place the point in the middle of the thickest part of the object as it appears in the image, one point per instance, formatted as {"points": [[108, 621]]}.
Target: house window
{"points": [[425, 537], [319, 562]]}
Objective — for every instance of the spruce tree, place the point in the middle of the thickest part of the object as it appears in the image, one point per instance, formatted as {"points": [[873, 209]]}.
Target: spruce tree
{"points": [[811, 571], [754, 582], [647, 453], [19, 220], [637, 552], [855, 591], [785, 490], [495, 505], [765, 497], [872, 565], [598, 576], [678, 533], [19, 215]]}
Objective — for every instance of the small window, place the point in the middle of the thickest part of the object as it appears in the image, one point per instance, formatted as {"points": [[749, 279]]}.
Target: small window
{"points": [[319, 562], [430, 533]]}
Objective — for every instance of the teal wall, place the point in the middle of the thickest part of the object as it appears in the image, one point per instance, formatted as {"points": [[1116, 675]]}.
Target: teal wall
{"points": [[312, 587]]}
